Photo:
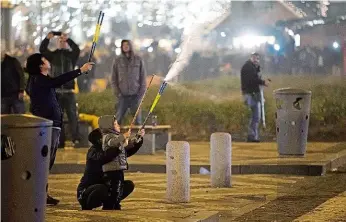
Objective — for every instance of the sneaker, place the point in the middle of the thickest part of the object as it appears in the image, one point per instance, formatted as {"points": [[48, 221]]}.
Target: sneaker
{"points": [[52, 201]]}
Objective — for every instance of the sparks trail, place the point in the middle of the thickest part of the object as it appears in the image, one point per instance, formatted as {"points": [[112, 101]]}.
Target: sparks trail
{"points": [[189, 45], [199, 94], [187, 49]]}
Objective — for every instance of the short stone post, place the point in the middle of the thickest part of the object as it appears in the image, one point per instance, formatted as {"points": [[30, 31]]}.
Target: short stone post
{"points": [[221, 159], [178, 171]]}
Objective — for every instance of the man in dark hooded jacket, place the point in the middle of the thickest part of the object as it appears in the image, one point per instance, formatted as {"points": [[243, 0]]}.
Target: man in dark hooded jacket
{"points": [[64, 60], [98, 188], [129, 81]]}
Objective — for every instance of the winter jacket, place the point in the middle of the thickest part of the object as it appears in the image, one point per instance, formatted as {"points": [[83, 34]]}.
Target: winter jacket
{"points": [[41, 90], [62, 60], [250, 79], [112, 139], [128, 76], [96, 158], [12, 77]]}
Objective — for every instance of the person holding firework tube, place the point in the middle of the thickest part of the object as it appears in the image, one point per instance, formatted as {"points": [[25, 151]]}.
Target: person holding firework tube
{"points": [[44, 103], [251, 83], [103, 182]]}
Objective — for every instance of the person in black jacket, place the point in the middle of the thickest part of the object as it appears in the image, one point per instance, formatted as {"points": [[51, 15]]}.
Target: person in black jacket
{"points": [[12, 85], [44, 103], [64, 60], [251, 82], [97, 188]]}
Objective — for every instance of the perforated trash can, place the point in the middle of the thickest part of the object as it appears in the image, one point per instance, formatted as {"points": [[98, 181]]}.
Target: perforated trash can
{"points": [[292, 120], [25, 154]]}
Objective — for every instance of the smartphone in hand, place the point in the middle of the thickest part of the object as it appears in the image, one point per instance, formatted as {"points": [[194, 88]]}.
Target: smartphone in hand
{"points": [[56, 33]]}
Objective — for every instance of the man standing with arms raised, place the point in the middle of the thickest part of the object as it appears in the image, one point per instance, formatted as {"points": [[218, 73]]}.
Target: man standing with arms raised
{"points": [[64, 60], [128, 81]]}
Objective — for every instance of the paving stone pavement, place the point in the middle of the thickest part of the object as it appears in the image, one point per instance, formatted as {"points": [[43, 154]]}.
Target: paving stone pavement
{"points": [[251, 198], [242, 153], [148, 203], [319, 199], [247, 158]]}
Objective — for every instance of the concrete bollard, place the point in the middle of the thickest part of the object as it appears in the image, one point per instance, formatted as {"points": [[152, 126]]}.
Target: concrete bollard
{"points": [[220, 159], [178, 171]]}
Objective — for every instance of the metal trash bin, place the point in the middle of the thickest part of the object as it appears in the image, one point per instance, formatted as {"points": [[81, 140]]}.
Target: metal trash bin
{"points": [[25, 154], [292, 120]]}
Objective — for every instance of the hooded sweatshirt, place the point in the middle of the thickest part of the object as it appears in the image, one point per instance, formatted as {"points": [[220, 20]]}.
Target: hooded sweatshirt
{"points": [[128, 74]]}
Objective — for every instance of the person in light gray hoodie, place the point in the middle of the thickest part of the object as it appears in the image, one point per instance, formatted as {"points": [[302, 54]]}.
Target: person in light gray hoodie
{"points": [[114, 170], [128, 81]]}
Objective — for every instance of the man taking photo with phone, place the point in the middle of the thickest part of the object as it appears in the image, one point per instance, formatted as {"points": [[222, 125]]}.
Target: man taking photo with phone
{"points": [[64, 60]]}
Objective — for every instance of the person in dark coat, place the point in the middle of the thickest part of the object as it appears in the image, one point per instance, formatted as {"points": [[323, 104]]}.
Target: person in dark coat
{"points": [[98, 188], [12, 85], [64, 60], [251, 82], [44, 102]]}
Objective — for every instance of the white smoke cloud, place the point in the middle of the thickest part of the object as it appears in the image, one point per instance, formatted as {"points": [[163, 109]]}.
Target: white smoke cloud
{"points": [[192, 40], [188, 46]]}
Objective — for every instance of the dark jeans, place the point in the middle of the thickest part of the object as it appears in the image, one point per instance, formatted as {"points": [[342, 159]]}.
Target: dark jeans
{"points": [[53, 148], [12, 105], [125, 103], [101, 194], [67, 102], [253, 102], [54, 145]]}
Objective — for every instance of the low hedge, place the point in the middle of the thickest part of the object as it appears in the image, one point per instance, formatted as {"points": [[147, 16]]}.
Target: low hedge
{"points": [[195, 110]]}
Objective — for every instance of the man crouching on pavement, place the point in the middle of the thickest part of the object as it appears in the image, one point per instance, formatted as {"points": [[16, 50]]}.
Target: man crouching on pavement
{"points": [[103, 181]]}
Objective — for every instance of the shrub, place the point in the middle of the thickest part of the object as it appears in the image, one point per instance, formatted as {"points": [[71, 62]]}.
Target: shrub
{"points": [[197, 109], [194, 115]]}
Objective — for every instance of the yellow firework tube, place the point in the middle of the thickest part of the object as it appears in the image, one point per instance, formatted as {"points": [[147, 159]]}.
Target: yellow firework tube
{"points": [[97, 33], [158, 96]]}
